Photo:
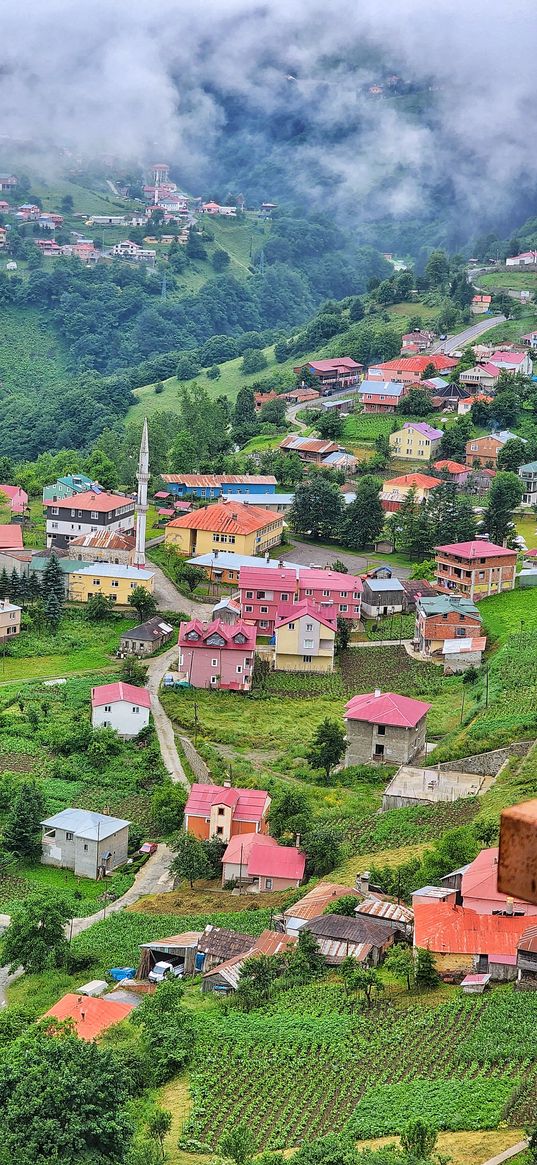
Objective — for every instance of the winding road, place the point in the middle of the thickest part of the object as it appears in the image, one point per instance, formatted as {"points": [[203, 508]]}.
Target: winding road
{"points": [[157, 668], [461, 339]]}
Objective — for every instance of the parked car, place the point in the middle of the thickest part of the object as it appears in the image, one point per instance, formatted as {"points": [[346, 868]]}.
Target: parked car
{"points": [[149, 847], [165, 970]]}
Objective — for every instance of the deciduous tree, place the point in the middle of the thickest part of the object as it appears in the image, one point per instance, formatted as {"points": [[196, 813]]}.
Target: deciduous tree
{"points": [[190, 861], [35, 938], [327, 746]]}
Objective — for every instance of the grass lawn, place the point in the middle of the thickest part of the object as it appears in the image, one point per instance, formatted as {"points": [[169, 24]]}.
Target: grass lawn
{"points": [[510, 278], [509, 613], [85, 893], [511, 329], [462, 1148], [526, 525], [78, 646]]}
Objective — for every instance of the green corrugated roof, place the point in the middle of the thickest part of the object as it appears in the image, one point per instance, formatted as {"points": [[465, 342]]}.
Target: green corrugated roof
{"points": [[531, 467], [67, 565], [441, 604]]}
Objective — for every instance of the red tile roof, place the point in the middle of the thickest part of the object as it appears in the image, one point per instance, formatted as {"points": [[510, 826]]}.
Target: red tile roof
{"points": [[231, 517], [249, 804], [227, 631], [90, 1016], [476, 549], [291, 611], [414, 480], [451, 466], [456, 930], [102, 503], [114, 693], [11, 537], [418, 363], [386, 708]]}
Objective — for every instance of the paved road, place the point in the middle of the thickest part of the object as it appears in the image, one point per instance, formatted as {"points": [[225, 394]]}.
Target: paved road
{"points": [[170, 599], [306, 553], [157, 668], [453, 343], [153, 878], [291, 416]]}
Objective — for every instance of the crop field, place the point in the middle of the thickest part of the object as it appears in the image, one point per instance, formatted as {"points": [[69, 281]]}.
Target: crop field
{"points": [[367, 426], [78, 646], [408, 826], [32, 358], [511, 278], [465, 1064], [508, 614]]}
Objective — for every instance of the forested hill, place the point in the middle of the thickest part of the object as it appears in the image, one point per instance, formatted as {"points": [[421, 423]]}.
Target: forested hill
{"points": [[108, 320]]}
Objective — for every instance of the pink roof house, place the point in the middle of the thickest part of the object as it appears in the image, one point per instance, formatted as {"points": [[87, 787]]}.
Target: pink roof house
{"points": [[217, 654], [334, 593], [258, 860], [262, 592], [479, 888], [18, 498], [223, 811], [384, 726], [123, 707]]}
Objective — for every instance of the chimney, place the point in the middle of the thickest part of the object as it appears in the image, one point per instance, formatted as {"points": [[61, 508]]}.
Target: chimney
{"points": [[227, 784], [362, 882], [234, 517], [377, 693], [297, 840], [509, 906]]}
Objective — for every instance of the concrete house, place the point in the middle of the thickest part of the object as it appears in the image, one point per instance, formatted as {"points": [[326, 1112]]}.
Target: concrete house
{"points": [[528, 473], [476, 569], [416, 441], [242, 528], [87, 513], [304, 638], [10, 620], [397, 489], [222, 811], [147, 637], [66, 487], [380, 396], [104, 546], [258, 862], [334, 593], [330, 375], [117, 582], [484, 450], [91, 844], [263, 591], [383, 726], [217, 655], [409, 370], [224, 977], [382, 596], [444, 617], [122, 707]]}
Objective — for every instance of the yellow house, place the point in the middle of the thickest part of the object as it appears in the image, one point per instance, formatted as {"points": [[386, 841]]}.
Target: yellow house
{"points": [[416, 441], [396, 489], [10, 619], [234, 526], [112, 579], [304, 639]]}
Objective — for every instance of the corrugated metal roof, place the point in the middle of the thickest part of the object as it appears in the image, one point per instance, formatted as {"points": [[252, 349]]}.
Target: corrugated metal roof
{"points": [[214, 480], [449, 929], [189, 938], [105, 540], [334, 950], [528, 940], [314, 902], [353, 930], [380, 908], [270, 942], [249, 803], [224, 943]]}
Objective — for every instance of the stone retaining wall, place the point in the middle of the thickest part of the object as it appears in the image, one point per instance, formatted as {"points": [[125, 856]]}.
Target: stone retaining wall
{"points": [[196, 762], [485, 764]]}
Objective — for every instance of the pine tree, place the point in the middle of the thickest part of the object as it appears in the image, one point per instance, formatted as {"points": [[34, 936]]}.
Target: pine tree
{"points": [[13, 584], [22, 835], [364, 518], [53, 611], [53, 579], [4, 584]]}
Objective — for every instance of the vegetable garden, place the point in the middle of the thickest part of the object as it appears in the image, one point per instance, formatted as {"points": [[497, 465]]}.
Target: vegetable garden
{"points": [[312, 1060]]}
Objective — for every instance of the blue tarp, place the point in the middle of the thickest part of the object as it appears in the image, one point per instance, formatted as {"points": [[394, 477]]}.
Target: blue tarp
{"points": [[119, 973]]}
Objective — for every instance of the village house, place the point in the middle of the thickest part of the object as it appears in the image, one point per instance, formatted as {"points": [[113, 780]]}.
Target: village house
{"points": [[393, 913], [383, 726], [300, 396], [115, 581], [413, 343], [528, 473], [278, 503], [414, 589], [8, 182], [259, 863], [409, 370], [510, 361], [221, 566], [330, 375], [476, 569], [380, 396], [224, 977], [217, 944], [67, 567], [480, 304], [245, 528], [263, 398], [90, 844], [67, 487], [10, 536], [444, 617], [147, 637], [483, 376], [397, 489], [483, 451], [104, 546], [452, 470], [314, 904], [464, 406], [330, 591], [525, 259], [365, 939], [210, 486], [227, 609], [416, 441], [382, 596], [310, 449], [217, 655], [130, 250], [86, 513], [17, 498], [10, 620], [89, 1016], [120, 706], [304, 638], [530, 339], [225, 812], [262, 592]]}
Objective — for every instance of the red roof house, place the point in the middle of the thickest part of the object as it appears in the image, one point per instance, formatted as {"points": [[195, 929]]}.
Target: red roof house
{"points": [[112, 693], [18, 497], [10, 537], [476, 569], [479, 887], [90, 1016], [258, 860], [386, 708], [384, 727], [410, 369], [217, 654], [223, 811], [445, 928], [123, 707]]}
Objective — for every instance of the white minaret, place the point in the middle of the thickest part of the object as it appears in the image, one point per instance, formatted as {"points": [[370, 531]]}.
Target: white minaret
{"points": [[141, 505]]}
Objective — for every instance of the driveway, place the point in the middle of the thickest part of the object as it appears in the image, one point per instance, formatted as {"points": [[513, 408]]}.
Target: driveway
{"points": [[170, 599], [453, 343], [156, 669], [153, 878], [308, 553]]}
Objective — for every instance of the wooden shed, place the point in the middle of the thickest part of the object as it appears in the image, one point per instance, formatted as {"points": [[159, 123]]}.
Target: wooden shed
{"points": [[177, 949]]}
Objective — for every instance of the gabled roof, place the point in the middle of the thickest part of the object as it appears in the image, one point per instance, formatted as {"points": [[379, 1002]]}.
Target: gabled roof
{"points": [[223, 943], [356, 929], [308, 444], [227, 631], [417, 363], [448, 929], [386, 708], [11, 537], [261, 856], [443, 604], [270, 942], [384, 387], [425, 429], [101, 503], [377, 586], [249, 804], [344, 362], [481, 877], [90, 1015], [316, 900], [413, 481], [226, 518], [149, 631], [508, 357], [120, 693], [83, 823], [451, 466], [105, 540], [477, 548], [288, 613], [318, 578], [381, 908], [278, 578]]}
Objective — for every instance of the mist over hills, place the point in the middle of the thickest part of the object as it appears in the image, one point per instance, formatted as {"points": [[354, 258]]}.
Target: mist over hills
{"points": [[406, 113]]}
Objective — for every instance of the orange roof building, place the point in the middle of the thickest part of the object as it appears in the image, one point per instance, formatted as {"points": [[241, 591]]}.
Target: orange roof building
{"points": [[90, 1016], [396, 489], [230, 525]]}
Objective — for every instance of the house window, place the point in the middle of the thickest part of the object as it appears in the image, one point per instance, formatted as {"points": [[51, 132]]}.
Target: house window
{"points": [[221, 811], [232, 538], [268, 883], [291, 626], [96, 582], [54, 525], [219, 830], [94, 514], [68, 837], [306, 658], [261, 594], [214, 663], [55, 510], [85, 849], [326, 594], [135, 708], [379, 750], [263, 622], [308, 643], [239, 669], [285, 597], [460, 632], [264, 610], [381, 729], [249, 594], [214, 679], [114, 583], [308, 592], [108, 707], [249, 609], [343, 607]]}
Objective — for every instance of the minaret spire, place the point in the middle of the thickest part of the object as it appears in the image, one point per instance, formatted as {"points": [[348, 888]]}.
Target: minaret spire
{"points": [[141, 504]]}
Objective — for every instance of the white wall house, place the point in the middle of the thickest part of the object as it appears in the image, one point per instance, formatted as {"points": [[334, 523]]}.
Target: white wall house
{"points": [[123, 707], [89, 843]]}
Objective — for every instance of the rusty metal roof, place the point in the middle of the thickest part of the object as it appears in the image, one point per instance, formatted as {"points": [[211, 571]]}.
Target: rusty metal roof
{"points": [[351, 930], [217, 940], [380, 908], [314, 902], [528, 940]]}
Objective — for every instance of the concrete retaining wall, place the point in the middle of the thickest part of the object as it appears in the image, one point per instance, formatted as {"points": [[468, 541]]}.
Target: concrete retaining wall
{"points": [[485, 764], [196, 762]]}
